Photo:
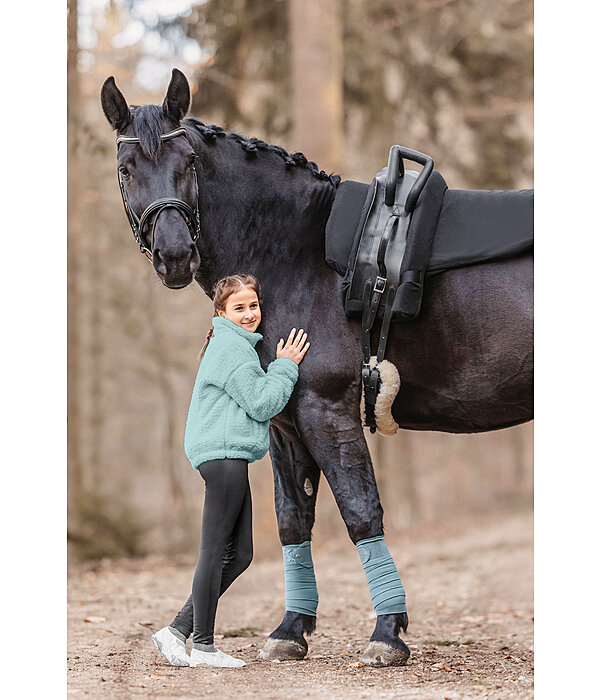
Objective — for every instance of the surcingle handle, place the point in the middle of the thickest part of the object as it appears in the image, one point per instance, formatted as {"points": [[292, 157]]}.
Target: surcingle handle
{"points": [[396, 170]]}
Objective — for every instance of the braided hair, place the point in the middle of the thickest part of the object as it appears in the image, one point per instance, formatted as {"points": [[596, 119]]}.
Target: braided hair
{"points": [[222, 290]]}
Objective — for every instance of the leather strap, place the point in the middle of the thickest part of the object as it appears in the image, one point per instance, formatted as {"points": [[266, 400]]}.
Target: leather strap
{"points": [[391, 225], [367, 322], [385, 323], [371, 383], [412, 276]]}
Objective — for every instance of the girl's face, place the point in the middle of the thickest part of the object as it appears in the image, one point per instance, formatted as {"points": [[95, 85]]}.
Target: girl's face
{"points": [[243, 309]]}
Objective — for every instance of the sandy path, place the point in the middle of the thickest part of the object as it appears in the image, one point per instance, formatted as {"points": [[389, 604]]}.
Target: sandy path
{"points": [[470, 600]]}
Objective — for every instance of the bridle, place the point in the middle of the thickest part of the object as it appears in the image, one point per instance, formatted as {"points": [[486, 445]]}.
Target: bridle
{"points": [[138, 224]]}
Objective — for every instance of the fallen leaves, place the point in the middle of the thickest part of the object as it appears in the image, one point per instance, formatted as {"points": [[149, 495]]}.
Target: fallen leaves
{"points": [[94, 618], [441, 667]]}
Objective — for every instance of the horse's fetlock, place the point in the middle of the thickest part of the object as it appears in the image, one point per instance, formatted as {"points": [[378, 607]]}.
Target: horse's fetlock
{"points": [[309, 624]]}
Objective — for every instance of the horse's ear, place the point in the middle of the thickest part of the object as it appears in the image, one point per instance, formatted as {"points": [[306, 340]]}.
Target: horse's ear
{"points": [[177, 100], [114, 105]]}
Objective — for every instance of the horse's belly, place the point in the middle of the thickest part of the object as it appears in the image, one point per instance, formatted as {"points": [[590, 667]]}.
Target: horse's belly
{"points": [[467, 364]]}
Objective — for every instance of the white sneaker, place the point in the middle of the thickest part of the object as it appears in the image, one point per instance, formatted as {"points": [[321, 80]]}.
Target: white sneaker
{"points": [[171, 647], [216, 659]]}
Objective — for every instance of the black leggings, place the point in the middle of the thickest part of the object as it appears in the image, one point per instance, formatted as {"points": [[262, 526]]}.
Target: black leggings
{"points": [[225, 545]]}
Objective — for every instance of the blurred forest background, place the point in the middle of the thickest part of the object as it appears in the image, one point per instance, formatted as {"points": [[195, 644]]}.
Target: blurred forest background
{"points": [[339, 80]]}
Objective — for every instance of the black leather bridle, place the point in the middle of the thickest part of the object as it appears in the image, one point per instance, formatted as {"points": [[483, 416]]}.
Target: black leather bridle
{"points": [[138, 224]]}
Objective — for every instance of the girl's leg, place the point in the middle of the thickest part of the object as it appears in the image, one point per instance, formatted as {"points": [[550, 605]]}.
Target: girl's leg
{"points": [[238, 556], [226, 490]]}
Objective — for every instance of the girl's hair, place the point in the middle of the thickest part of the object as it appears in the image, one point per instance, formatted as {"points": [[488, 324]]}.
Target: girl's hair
{"points": [[222, 290]]}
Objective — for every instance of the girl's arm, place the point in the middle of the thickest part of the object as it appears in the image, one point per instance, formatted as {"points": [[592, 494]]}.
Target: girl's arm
{"points": [[262, 395]]}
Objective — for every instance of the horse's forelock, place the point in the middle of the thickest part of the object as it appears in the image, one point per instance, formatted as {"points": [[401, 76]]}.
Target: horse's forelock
{"points": [[148, 126]]}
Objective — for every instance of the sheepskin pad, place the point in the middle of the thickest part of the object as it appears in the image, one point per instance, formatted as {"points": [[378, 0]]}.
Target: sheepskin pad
{"points": [[390, 385]]}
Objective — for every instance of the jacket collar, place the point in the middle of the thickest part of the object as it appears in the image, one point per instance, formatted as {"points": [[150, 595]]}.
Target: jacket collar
{"points": [[221, 324]]}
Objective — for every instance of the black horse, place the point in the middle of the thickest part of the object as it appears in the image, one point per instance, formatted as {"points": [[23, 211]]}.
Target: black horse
{"points": [[466, 364]]}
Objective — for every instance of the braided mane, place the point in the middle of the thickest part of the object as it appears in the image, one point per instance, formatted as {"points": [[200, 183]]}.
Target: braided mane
{"points": [[148, 124], [210, 133]]}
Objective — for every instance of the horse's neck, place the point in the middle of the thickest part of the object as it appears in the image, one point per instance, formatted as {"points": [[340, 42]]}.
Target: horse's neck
{"points": [[260, 220]]}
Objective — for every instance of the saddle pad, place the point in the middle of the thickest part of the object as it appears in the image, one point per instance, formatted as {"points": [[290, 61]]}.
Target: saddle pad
{"points": [[474, 226], [350, 201], [477, 226]]}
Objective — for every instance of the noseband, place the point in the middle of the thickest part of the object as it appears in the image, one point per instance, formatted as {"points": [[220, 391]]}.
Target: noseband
{"points": [[138, 224]]}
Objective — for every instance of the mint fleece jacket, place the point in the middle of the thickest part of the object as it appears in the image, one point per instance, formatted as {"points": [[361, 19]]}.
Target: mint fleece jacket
{"points": [[233, 398]]}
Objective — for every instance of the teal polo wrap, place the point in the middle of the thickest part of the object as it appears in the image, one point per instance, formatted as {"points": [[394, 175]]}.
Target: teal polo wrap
{"points": [[301, 594], [385, 586]]}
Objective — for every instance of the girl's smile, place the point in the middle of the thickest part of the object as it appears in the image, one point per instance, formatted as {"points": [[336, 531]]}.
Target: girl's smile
{"points": [[243, 309]]}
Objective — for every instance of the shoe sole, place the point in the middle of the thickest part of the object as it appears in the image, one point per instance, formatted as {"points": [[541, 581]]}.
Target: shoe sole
{"points": [[204, 663], [180, 662]]}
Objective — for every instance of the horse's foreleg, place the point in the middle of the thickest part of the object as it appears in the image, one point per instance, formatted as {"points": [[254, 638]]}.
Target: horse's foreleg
{"points": [[338, 445], [296, 477]]}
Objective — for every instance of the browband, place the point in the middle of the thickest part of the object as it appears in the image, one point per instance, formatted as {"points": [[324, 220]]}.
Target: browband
{"points": [[164, 137]]}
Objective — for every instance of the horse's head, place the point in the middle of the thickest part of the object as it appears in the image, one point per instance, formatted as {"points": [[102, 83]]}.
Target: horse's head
{"points": [[158, 180]]}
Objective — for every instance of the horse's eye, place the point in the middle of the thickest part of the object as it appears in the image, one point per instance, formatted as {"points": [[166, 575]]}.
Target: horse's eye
{"points": [[191, 163], [124, 172]]}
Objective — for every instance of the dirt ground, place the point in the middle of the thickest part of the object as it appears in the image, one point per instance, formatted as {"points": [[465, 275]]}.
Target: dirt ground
{"points": [[470, 602]]}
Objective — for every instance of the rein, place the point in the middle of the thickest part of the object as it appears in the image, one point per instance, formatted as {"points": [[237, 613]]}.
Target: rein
{"points": [[138, 224]]}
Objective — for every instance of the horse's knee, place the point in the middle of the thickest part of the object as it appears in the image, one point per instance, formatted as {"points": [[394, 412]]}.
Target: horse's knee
{"points": [[296, 479], [363, 522], [296, 516]]}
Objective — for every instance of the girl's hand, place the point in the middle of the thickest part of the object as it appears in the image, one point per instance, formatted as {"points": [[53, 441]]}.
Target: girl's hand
{"points": [[294, 348]]}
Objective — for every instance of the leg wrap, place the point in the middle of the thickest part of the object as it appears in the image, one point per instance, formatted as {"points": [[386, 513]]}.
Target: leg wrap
{"points": [[385, 586], [300, 584]]}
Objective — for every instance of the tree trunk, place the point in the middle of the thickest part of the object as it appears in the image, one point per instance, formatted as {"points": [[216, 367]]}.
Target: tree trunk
{"points": [[317, 62], [73, 261]]}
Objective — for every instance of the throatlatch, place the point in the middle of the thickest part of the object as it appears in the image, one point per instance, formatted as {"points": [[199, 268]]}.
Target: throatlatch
{"points": [[385, 585], [301, 593]]}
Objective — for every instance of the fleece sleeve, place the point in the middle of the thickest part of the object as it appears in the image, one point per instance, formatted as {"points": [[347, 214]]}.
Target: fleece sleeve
{"points": [[262, 395]]}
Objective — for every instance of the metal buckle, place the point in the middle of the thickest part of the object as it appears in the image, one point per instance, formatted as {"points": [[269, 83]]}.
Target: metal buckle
{"points": [[379, 280]]}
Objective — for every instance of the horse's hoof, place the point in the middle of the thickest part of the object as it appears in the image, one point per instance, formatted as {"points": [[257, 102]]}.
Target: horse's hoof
{"points": [[382, 654], [282, 650]]}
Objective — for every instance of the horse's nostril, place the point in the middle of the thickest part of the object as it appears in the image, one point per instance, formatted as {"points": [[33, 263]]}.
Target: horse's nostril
{"points": [[159, 265], [194, 265]]}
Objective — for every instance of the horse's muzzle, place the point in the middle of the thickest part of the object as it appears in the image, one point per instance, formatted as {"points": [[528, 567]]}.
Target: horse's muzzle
{"points": [[176, 271]]}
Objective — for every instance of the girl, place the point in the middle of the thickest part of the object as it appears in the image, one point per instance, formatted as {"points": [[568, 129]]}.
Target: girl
{"points": [[227, 428]]}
